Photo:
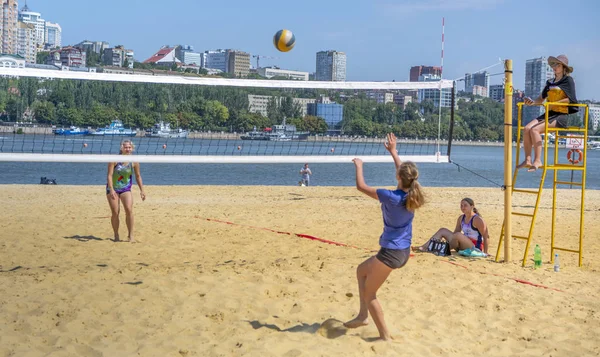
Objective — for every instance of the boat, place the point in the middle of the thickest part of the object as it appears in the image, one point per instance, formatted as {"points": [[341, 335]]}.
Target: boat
{"points": [[163, 130], [115, 128], [283, 132], [73, 130], [255, 135], [594, 145]]}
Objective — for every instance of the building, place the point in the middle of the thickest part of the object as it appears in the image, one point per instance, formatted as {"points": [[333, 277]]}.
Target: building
{"points": [[187, 55], [332, 113], [380, 97], [259, 103], [479, 90], [12, 61], [518, 97], [537, 72], [433, 95], [217, 59], [52, 35], [402, 100], [26, 42], [31, 17], [9, 31], [496, 92], [476, 79], [92, 46], [593, 116], [164, 57], [331, 66], [118, 57], [417, 71], [238, 63], [67, 57], [270, 72]]}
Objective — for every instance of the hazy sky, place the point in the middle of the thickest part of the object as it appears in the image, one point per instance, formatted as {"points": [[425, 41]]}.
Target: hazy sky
{"points": [[382, 38]]}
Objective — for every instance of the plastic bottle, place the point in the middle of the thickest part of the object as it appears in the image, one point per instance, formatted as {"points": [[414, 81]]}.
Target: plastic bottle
{"points": [[537, 256], [556, 263]]}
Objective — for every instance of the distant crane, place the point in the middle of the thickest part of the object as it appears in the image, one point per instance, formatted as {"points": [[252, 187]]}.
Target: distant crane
{"points": [[258, 57]]}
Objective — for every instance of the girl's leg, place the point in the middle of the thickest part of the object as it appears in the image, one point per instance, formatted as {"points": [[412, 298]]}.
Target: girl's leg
{"points": [[114, 217], [536, 133], [374, 273], [127, 198], [377, 275], [460, 242], [362, 319], [527, 144], [441, 233]]}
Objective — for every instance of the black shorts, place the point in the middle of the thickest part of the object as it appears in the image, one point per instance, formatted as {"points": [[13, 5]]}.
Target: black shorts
{"points": [[393, 258], [560, 118]]}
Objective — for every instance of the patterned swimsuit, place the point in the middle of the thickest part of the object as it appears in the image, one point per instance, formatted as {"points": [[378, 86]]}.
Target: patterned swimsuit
{"points": [[121, 178]]}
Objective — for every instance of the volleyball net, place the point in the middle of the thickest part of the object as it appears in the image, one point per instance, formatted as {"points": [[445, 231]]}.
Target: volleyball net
{"points": [[73, 116]]}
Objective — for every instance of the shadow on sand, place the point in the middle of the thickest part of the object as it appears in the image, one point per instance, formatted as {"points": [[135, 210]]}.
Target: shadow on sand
{"points": [[330, 328], [84, 238]]}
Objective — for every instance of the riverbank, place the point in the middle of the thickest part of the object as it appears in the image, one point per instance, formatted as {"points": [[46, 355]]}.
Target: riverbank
{"points": [[4, 130]]}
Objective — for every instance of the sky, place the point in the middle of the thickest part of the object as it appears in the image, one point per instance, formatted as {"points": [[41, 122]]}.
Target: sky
{"points": [[382, 39]]}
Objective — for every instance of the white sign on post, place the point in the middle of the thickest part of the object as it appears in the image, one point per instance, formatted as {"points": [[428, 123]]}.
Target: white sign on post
{"points": [[574, 143]]}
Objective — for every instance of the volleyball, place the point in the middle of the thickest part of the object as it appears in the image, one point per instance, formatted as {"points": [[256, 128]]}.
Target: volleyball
{"points": [[284, 40]]}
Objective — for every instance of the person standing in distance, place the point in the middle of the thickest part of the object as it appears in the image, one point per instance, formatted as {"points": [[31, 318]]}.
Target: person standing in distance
{"points": [[305, 173], [118, 189]]}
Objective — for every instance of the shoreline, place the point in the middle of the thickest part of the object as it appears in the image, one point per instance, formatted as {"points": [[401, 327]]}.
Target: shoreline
{"points": [[31, 131]]}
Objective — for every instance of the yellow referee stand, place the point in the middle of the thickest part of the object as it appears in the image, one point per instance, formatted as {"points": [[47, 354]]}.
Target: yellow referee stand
{"points": [[577, 157]]}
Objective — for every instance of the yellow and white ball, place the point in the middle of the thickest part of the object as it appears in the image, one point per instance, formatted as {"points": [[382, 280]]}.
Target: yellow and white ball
{"points": [[284, 40]]}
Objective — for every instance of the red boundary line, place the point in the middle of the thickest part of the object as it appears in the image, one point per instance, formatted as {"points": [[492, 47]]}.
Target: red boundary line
{"points": [[307, 236], [301, 235], [521, 281]]}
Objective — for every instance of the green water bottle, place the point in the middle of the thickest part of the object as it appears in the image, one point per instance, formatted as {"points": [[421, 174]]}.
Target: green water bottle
{"points": [[537, 256]]}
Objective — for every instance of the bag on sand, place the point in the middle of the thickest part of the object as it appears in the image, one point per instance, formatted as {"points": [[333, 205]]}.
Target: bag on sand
{"points": [[441, 248]]}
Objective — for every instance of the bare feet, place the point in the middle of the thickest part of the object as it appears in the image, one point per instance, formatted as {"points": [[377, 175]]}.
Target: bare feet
{"points": [[536, 165], [117, 238], [419, 249], [131, 240], [356, 322], [524, 164]]}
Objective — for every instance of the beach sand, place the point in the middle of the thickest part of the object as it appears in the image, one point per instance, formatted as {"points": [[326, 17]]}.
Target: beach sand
{"points": [[196, 286]]}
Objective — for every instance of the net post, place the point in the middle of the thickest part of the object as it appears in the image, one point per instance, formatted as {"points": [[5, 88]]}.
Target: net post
{"points": [[508, 92], [451, 129]]}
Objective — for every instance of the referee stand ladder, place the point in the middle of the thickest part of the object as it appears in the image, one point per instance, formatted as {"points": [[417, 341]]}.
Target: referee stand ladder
{"points": [[577, 162]]}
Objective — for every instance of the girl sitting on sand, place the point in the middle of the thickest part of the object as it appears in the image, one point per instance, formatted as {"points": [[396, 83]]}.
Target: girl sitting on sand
{"points": [[398, 207], [470, 231]]}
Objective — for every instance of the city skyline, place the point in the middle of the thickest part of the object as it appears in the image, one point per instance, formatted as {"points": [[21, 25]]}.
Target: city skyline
{"points": [[382, 39]]}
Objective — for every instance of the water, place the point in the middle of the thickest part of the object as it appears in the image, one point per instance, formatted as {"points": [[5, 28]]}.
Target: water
{"points": [[485, 160]]}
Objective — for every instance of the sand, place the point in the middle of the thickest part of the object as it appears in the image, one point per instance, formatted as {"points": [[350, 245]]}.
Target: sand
{"points": [[196, 286]]}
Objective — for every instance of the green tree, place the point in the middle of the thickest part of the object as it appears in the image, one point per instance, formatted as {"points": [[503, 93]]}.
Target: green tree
{"points": [[42, 57], [44, 112], [313, 124]]}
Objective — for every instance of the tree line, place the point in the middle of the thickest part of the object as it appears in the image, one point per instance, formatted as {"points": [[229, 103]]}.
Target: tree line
{"points": [[208, 108]]}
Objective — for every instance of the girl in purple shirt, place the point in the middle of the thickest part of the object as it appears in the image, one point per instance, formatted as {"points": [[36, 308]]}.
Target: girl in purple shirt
{"points": [[398, 208]]}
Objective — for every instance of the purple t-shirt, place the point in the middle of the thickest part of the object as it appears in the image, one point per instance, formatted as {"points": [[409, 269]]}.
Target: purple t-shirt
{"points": [[397, 220]]}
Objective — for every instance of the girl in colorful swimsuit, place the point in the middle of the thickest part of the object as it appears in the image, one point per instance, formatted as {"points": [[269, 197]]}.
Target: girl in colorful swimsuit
{"points": [[470, 231], [118, 189], [560, 89]]}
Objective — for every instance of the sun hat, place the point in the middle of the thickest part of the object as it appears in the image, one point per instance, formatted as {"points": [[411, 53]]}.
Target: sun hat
{"points": [[561, 59]]}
